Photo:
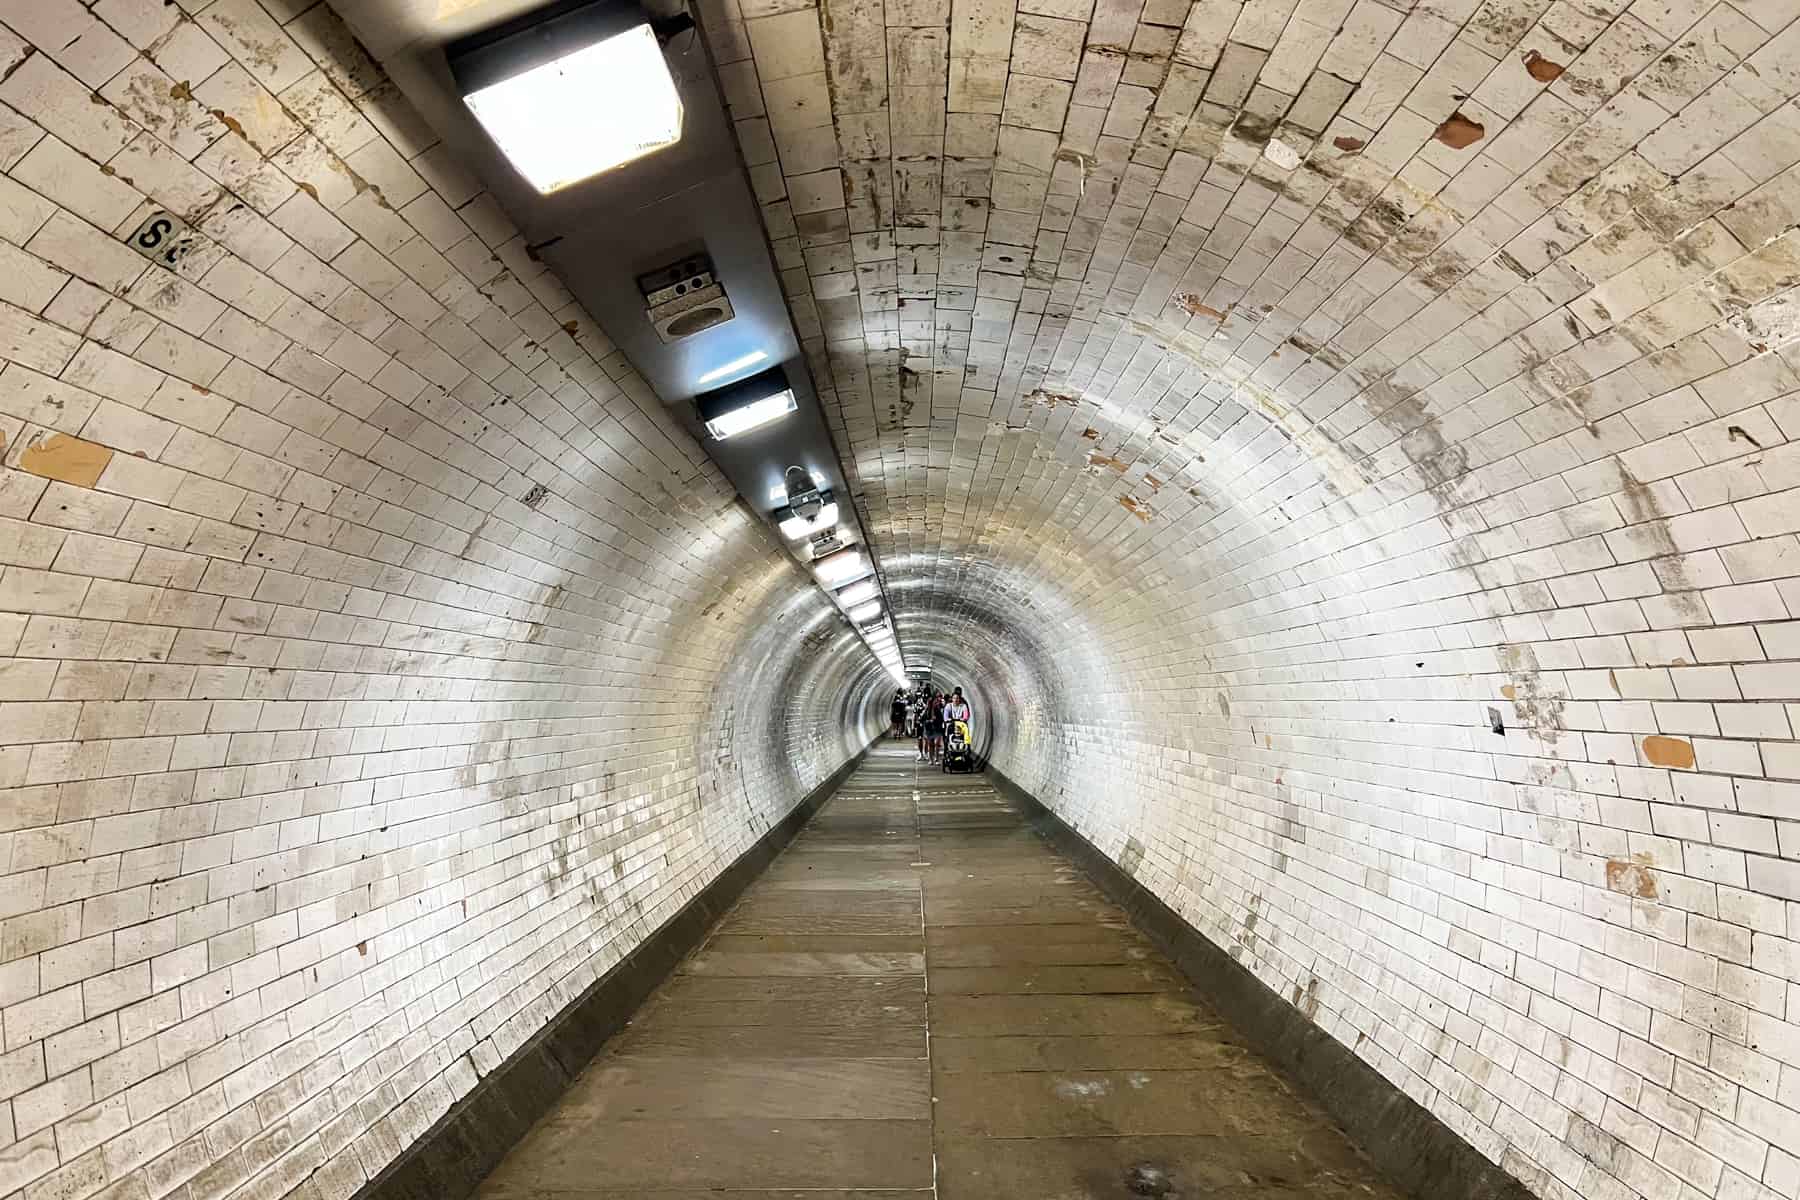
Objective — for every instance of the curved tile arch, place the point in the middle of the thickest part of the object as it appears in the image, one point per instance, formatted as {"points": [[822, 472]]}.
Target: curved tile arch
{"points": [[1379, 417]]}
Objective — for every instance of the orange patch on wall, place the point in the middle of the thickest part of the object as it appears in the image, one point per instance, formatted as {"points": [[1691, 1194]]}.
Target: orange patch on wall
{"points": [[1669, 752], [1510, 692], [1459, 132], [66, 458], [1541, 68], [1630, 878], [1191, 303]]}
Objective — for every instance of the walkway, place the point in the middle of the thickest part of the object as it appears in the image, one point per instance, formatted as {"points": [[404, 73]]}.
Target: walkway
{"points": [[921, 994]]}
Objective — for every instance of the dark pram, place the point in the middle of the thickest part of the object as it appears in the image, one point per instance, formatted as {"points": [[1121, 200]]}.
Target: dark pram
{"points": [[959, 753]]}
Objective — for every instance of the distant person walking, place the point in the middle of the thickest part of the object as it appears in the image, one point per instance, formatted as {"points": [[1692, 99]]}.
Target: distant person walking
{"points": [[934, 727]]}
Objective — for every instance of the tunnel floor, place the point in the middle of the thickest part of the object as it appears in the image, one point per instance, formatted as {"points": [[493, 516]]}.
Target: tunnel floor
{"points": [[920, 994]]}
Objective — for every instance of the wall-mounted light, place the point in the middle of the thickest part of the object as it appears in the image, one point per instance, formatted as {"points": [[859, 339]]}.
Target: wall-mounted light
{"points": [[856, 593], [570, 96], [733, 367], [747, 404], [841, 566]]}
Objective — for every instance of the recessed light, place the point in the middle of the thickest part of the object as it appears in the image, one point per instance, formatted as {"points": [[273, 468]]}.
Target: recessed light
{"points": [[856, 593], [589, 109], [747, 404], [841, 566], [733, 367]]}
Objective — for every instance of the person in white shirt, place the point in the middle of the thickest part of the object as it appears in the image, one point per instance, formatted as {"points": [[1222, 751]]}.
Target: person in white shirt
{"points": [[958, 710]]}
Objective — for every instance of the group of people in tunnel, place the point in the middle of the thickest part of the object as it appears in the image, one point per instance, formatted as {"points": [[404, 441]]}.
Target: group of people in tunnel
{"points": [[926, 715]]}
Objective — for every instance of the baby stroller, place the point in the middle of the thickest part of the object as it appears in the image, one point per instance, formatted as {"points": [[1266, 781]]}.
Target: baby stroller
{"points": [[959, 754]]}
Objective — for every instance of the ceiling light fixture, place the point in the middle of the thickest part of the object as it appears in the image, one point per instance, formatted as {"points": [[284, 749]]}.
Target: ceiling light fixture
{"points": [[793, 526], [568, 97], [841, 566], [733, 367], [866, 612], [856, 593], [747, 404]]}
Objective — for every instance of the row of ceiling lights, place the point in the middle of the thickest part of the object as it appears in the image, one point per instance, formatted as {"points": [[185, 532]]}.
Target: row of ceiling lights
{"points": [[535, 88], [803, 510]]}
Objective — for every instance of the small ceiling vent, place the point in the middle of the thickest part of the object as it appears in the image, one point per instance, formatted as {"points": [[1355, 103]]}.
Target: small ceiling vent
{"points": [[684, 298]]}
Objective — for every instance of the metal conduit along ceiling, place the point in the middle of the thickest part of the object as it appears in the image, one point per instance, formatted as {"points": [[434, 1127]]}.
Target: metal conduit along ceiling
{"points": [[614, 237]]}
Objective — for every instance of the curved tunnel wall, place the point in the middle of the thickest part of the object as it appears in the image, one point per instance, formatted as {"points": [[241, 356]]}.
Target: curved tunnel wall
{"points": [[1487, 776], [379, 663]]}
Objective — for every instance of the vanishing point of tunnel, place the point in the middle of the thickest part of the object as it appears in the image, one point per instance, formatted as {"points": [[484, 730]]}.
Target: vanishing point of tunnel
{"points": [[896, 599]]}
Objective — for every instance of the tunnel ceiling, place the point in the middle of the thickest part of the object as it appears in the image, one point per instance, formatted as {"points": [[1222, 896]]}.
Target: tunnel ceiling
{"points": [[1347, 451], [1102, 295]]}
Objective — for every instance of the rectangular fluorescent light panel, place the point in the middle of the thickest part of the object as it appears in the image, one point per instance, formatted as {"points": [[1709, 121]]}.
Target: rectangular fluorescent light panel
{"points": [[732, 368], [751, 416], [796, 527], [856, 593], [583, 113], [746, 404], [841, 567], [866, 612]]}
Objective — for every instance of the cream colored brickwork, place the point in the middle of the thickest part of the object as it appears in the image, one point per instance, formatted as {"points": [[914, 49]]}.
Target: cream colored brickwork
{"points": [[379, 662], [1352, 445]]}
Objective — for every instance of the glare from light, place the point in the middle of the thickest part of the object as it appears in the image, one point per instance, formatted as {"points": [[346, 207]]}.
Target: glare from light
{"points": [[796, 527], [856, 593], [585, 112], [732, 368], [841, 567], [866, 612], [752, 415]]}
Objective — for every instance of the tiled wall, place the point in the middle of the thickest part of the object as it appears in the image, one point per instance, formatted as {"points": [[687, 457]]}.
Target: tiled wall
{"points": [[1356, 445], [378, 661]]}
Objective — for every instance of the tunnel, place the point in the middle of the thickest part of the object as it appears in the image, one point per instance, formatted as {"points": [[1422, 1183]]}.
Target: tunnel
{"points": [[477, 474]]}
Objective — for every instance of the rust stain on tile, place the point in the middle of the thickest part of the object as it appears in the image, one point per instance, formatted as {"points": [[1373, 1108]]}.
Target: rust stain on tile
{"points": [[1630, 878], [1669, 752], [66, 458], [1348, 145], [1510, 692], [1136, 508], [1097, 459], [1191, 304], [1541, 68], [1459, 132], [1090, 433]]}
